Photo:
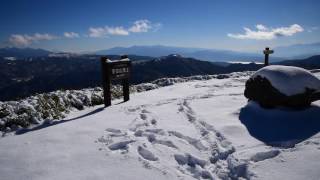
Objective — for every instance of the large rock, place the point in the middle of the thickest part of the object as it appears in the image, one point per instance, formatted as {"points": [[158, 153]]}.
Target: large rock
{"points": [[283, 86]]}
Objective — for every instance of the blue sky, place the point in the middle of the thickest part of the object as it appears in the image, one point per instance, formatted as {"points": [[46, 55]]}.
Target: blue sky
{"points": [[81, 25]]}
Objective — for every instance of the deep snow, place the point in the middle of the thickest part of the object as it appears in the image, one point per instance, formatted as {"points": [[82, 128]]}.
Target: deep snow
{"points": [[191, 130]]}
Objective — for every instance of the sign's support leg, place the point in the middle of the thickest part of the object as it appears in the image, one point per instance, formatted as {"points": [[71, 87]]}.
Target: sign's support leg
{"points": [[107, 93], [266, 60], [105, 83], [125, 87]]}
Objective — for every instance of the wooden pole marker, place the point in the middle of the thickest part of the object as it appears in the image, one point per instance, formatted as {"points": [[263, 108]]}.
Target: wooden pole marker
{"points": [[266, 53], [115, 70]]}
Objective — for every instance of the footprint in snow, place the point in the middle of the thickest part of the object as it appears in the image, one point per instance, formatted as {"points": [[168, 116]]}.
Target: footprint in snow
{"points": [[123, 145], [154, 122], [105, 140], [113, 130], [156, 131], [189, 160], [146, 154], [145, 111], [143, 116], [195, 165], [194, 142], [260, 156]]}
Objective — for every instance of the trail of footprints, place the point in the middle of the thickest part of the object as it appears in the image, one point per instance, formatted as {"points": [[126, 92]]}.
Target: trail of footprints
{"points": [[151, 144], [143, 136], [222, 162]]}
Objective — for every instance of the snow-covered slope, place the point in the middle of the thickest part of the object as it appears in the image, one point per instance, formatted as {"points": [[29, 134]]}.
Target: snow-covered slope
{"points": [[53, 106], [191, 130]]}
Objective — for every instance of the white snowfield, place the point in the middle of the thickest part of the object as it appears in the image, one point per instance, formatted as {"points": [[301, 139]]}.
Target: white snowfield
{"points": [[192, 130], [288, 79]]}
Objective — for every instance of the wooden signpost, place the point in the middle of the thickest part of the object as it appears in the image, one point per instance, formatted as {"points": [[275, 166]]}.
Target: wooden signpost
{"points": [[115, 70], [266, 53]]}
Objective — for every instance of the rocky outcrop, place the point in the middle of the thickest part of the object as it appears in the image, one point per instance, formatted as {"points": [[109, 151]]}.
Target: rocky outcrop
{"points": [[261, 90], [283, 86]]}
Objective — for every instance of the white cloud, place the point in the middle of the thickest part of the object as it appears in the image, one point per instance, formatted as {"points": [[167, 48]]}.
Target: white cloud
{"points": [[71, 35], [138, 26], [117, 31], [25, 40], [288, 31], [97, 32], [264, 33], [19, 40], [105, 31], [39, 37], [261, 27], [141, 26]]}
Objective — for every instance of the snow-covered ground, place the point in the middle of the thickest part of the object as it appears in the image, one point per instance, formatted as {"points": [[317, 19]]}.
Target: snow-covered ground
{"points": [[191, 130]]}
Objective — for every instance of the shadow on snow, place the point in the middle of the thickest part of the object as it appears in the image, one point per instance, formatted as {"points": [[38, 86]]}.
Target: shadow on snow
{"points": [[280, 127], [52, 123]]}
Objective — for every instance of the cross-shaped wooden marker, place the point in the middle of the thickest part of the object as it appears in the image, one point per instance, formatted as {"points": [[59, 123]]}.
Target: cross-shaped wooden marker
{"points": [[266, 53]]}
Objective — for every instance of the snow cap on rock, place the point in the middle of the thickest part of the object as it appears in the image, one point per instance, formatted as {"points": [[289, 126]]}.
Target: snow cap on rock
{"points": [[289, 80]]}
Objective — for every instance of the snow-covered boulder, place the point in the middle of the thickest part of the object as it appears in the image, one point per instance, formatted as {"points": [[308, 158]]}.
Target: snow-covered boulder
{"points": [[283, 86]]}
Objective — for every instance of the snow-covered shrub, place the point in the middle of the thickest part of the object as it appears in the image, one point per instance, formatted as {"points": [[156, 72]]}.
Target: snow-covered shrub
{"points": [[48, 106], [96, 99], [145, 87]]}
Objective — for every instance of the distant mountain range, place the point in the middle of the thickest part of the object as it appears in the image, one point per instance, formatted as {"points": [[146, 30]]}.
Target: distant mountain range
{"points": [[297, 51], [176, 66], [26, 77], [25, 71], [198, 53], [312, 62], [23, 52], [281, 53]]}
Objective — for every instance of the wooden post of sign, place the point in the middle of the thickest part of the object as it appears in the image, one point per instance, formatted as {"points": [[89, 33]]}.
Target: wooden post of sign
{"points": [[106, 81], [266, 52], [266, 57], [125, 87]]}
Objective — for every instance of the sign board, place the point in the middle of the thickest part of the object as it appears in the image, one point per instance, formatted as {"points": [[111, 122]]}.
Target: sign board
{"points": [[268, 51], [115, 70], [119, 69]]}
